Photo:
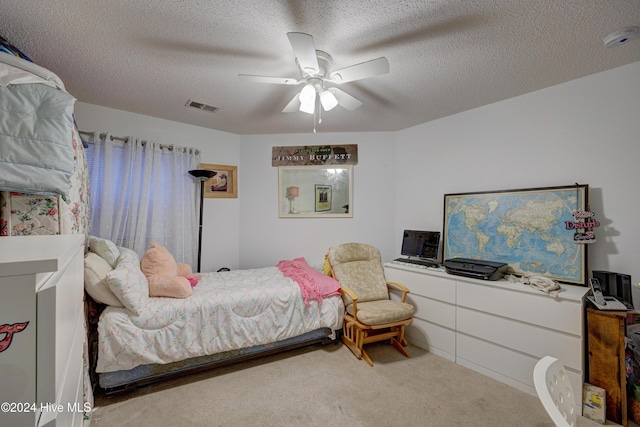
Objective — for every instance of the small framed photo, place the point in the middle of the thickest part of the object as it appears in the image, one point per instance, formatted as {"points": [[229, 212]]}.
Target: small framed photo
{"points": [[224, 184], [323, 198]]}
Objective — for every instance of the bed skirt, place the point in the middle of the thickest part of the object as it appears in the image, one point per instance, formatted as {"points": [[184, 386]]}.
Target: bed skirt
{"points": [[120, 381]]}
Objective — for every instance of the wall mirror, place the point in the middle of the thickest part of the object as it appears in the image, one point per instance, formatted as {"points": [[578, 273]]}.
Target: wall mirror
{"points": [[315, 191]]}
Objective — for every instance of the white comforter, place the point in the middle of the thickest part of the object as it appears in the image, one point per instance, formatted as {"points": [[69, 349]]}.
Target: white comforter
{"points": [[227, 311]]}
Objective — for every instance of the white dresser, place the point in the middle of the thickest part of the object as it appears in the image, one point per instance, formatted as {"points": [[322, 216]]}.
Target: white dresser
{"points": [[41, 315], [498, 328]]}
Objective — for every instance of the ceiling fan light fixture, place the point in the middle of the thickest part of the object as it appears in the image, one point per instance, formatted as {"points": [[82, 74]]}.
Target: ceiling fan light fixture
{"points": [[328, 100], [315, 70], [308, 99]]}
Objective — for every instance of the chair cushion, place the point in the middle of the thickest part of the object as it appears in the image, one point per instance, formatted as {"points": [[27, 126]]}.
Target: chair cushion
{"points": [[382, 311], [359, 268]]}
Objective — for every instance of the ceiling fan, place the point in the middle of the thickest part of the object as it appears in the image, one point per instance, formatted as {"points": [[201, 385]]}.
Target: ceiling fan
{"points": [[316, 75]]}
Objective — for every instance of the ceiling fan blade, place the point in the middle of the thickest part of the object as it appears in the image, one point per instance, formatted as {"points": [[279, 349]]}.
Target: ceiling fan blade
{"points": [[293, 105], [344, 99], [272, 80], [364, 70], [305, 51]]}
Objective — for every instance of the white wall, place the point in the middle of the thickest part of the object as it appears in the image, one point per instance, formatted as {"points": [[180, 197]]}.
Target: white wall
{"points": [[585, 131], [220, 245], [266, 239]]}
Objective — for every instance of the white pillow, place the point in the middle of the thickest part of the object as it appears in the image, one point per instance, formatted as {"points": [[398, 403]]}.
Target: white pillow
{"points": [[128, 283], [95, 280], [105, 249]]}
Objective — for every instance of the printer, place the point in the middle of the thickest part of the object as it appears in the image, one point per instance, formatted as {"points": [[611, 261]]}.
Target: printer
{"points": [[478, 269]]}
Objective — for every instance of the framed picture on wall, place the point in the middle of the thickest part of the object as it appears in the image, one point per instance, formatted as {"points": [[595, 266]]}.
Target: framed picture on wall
{"points": [[532, 230], [224, 184], [323, 198]]}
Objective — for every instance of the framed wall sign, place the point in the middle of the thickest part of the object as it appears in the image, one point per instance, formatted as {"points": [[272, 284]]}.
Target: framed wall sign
{"points": [[524, 228], [224, 184]]}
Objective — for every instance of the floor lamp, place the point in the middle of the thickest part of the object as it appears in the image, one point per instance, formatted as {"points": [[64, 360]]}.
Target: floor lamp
{"points": [[202, 175]]}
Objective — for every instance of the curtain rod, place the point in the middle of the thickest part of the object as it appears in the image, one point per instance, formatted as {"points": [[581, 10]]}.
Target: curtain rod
{"points": [[104, 135], [125, 139]]}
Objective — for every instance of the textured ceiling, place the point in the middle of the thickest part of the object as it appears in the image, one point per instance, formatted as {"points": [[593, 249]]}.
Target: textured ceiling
{"points": [[152, 56]]}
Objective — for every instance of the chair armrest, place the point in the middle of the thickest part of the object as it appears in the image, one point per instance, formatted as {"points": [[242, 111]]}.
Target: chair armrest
{"points": [[403, 288], [353, 297]]}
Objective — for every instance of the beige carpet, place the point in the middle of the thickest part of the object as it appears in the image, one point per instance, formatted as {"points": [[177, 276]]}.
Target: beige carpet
{"points": [[328, 386]]}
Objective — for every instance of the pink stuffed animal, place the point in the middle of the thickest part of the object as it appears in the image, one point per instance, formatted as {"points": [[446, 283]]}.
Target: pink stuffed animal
{"points": [[166, 278]]}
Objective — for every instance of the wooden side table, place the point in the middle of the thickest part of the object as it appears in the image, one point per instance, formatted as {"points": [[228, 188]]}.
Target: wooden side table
{"points": [[606, 331]]}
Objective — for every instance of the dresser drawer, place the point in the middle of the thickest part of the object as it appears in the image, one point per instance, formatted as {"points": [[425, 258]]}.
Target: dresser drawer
{"points": [[434, 311], [502, 364], [521, 337], [535, 308], [434, 285], [433, 338]]}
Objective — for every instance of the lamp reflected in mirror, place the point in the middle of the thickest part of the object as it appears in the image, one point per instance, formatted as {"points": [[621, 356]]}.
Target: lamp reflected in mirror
{"points": [[292, 193]]}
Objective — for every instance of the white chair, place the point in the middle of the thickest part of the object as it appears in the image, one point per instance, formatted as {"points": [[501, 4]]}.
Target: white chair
{"points": [[555, 392]]}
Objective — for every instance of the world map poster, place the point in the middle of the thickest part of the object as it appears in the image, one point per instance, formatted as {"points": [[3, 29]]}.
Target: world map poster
{"points": [[524, 228]]}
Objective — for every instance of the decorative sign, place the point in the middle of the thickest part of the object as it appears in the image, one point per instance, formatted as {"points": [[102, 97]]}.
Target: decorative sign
{"points": [[9, 330], [312, 155], [584, 220]]}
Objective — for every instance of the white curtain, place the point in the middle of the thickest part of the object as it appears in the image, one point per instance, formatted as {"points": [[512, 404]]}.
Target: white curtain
{"points": [[141, 192]]}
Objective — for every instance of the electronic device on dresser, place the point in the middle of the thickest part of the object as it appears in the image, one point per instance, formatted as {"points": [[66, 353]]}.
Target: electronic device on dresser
{"points": [[603, 302], [616, 285], [421, 248], [476, 268]]}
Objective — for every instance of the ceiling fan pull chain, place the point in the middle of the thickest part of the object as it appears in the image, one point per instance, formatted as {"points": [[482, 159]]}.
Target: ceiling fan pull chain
{"points": [[316, 114]]}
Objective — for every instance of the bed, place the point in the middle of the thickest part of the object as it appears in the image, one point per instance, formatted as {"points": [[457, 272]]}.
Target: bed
{"points": [[230, 316]]}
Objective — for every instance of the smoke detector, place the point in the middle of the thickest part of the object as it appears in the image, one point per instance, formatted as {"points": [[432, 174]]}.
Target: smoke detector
{"points": [[620, 36]]}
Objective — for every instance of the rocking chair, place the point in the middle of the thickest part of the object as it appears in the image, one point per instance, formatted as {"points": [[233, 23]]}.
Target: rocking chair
{"points": [[371, 315]]}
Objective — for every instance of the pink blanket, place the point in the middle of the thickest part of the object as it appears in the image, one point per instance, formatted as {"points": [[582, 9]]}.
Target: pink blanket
{"points": [[313, 283]]}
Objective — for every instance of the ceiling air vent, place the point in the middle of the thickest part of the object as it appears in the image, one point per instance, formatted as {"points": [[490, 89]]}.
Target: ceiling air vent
{"points": [[202, 106]]}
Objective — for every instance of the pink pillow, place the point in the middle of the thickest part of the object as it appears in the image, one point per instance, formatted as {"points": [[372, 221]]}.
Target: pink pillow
{"points": [[167, 286], [158, 260], [161, 271]]}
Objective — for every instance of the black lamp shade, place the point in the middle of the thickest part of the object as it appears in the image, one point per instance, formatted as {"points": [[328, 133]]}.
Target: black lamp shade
{"points": [[202, 173]]}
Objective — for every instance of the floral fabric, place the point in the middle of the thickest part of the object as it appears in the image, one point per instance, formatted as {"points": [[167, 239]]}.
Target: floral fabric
{"points": [[128, 283], [30, 214], [227, 311]]}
